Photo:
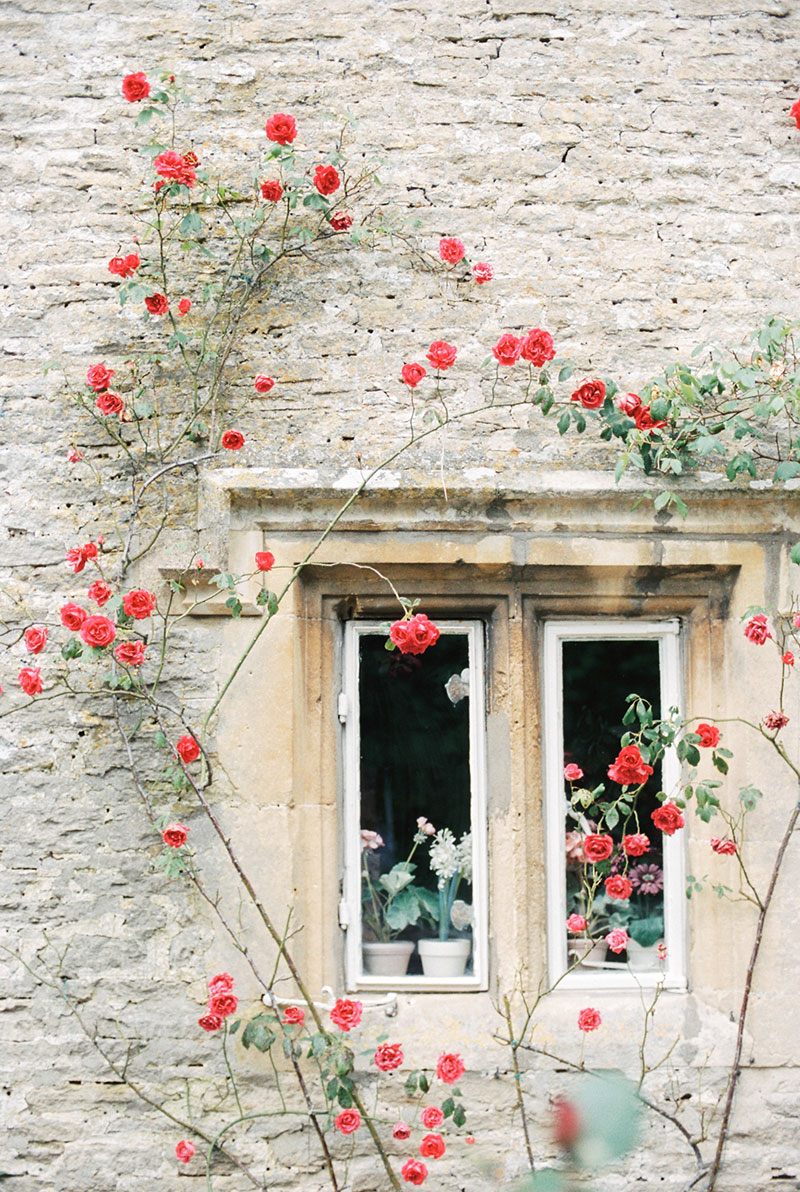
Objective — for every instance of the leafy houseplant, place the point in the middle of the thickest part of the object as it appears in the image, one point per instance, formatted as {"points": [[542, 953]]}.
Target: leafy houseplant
{"points": [[390, 903]]}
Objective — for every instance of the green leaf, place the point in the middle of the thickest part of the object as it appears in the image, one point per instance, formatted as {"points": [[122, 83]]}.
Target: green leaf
{"points": [[566, 372], [459, 1116], [177, 340], [787, 469], [235, 605], [448, 1107], [344, 1098], [411, 1082], [424, 1083], [316, 201], [794, 553], [563, 422], [72, 649]]}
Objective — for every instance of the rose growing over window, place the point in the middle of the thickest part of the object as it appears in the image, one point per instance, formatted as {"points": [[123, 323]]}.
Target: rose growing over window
{"points": [[668, 818], [630, 769], [223, 1004], [618, 887], [573, 773], [597, 848], [414, 634], [294, 1016], [636, 844]]}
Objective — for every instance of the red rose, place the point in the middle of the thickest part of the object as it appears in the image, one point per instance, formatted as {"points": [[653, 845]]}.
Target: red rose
{"points": [[449, 1067], [281, 128], [788, 658], [98, 631], [124, 266], [591, 394], [414, 635], [264, 560], [346, 1014], [29, 680], [537, 347], [507, 349], [725, 848], [293, 1016], [130, 653], [451, 250], [174, 168], [708, 734], [619, 887], [469, 1139], [482, 272], [597, 848], [412, 374], [617, 940], [347, 1121], [78, 556], [776, 720], [589, 1019], [138, 604], [191, 159], [629, 403], [263, 384], [98, 377], [401, 1131], [99, 592], [573, 773], [794, 111], [222, 1004], [756, 630], [668, 818], [341, 221], [175, 835], [233, 440], [388, 1056], [644, 419], [432, 1146], [184, 306], [74, 455], [326, 180], [222, 983], [431, 1117], [72, 616], [135, 86], [110, 403], [272, 191], [441, 355], [576, 923], [187, 749], [184, 1151], [210, 1022], [636, 845], [157, 304], [35, 638], [629, 769], [414, 1172]]}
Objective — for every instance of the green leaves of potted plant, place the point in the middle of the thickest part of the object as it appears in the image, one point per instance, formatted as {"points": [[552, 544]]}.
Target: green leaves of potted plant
{"points": [[390, 903]]}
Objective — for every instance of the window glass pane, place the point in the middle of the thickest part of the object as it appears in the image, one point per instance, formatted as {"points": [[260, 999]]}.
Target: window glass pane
{"points": [[597, 676], [414, 729]]}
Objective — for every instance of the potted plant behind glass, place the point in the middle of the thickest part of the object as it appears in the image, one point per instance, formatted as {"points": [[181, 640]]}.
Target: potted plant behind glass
{"points": [[646, 926], [390, 903], [451, 861]]}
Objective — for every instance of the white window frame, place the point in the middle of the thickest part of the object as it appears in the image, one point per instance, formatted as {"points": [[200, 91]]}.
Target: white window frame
{"points": [[667, 634], [350, 910]]}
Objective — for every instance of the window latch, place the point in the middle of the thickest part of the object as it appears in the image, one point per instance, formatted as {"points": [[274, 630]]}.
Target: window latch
{"points": [[344, 915], [342, 707]]}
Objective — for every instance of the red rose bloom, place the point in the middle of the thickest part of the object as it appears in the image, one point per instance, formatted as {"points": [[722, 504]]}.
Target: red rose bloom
{"points": [[184, 306], [175, 835], [293, 1016], [74, 456], [576, 923], [597, 848], [124, 266], [629, 769], [78, 556], [617, 940], [644, 419], [388, 1056], [29, 680], [708, 734], [174, 168], [636, 845], [618, 886], [589, 1019], [449, 1068], [432, 1146], [668, 818], [431, 1117], [99, 592], [347, 1121], [725, 848], [507, 349], [441, 355], [187, 749], [788, 658], [272, 191], [98, 631], [794, 111], [326, 180], [263, 384], [591, 395], [573, 773], [184, 1151], [401, 1131], [98, 377], [222, 983], [412, 374], [482, 272], [414, 1172], [346, 1014], [776, 720], [281, 129], [110, 403], [341, 221], [264, 560], [414, 635], [138, 604], [35, 638], [130, 653], [222, 1004], [233, 440], [537, 347], [157, 304], [756, 630], [135, 87], [451, 250], [72, 616], [210, 1022]]}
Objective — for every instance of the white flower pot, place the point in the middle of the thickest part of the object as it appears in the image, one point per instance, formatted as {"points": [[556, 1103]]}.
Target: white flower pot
{"points": [[642, 959], [444, 958], [586, 953], [387, 960]]}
